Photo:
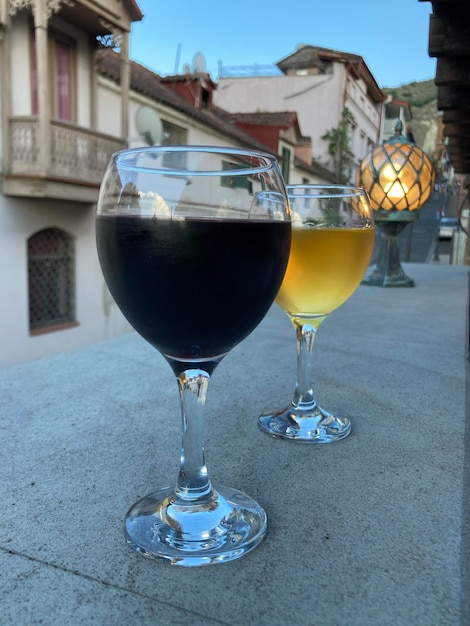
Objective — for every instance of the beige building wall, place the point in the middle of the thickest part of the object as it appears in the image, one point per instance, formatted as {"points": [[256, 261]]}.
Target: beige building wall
{"points": [[318, 101], [97, 316], [20, 217]]}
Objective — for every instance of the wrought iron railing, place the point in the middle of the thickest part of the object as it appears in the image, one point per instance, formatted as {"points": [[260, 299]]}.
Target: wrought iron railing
{"points": [[76, 154], [389, 127], [244, 71]]}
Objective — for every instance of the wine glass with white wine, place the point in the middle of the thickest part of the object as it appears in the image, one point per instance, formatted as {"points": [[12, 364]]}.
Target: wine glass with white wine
{"points": [[332, 243]]}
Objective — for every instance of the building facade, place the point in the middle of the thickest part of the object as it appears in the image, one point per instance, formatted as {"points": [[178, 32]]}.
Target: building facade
{"points": [[53, 154], [318, 84], [71, 97]]}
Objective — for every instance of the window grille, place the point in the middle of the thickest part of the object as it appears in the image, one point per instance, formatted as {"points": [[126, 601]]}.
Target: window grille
{"points": [[285, 164], [51, 279], [235, 182], [174, 136]]}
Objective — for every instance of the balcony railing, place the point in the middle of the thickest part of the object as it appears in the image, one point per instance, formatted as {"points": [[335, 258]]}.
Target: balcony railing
{"points": [[389, 127], [76, 154]]}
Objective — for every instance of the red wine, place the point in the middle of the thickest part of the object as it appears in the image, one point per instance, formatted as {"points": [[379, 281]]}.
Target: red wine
{"points": [[193, 288]]}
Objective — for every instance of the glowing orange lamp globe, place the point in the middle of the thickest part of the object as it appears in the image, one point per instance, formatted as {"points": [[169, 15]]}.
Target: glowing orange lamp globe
{"points": [[399, 178]]}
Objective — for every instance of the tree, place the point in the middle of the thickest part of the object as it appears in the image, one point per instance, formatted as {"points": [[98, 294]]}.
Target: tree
{"points": [[339, 147]]}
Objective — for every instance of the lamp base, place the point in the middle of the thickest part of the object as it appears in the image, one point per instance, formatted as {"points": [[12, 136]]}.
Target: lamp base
{"points": [[388, 271], [395, 279]]}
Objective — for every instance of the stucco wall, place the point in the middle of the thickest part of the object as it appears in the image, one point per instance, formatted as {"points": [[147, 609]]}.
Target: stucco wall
{"points": [[98, 318], [318, 101]]}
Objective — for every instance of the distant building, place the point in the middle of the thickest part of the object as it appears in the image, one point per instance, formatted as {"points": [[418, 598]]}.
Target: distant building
{"points": [[280, 133], [395, 110], [318, 84]]}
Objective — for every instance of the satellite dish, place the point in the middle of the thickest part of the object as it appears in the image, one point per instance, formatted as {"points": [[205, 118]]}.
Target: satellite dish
{"points": [[199, 63], [149, 125], [187, 69]]}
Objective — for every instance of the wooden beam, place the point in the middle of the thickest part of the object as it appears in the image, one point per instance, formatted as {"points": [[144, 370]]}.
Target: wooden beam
{"points": [[457, 115], [449, 41], [458, 151], [457, 130], [453, 98], [458, 157], [459, 143], [450, 35], [460, 167], [453, 71]]}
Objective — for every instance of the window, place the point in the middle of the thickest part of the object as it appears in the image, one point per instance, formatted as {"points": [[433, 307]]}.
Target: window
{"points": [[174, 136], [61, 59], [285, 164], [352, 131], [363, 145], [235, 182], [62, 56], [205, 99], [51, 280]]}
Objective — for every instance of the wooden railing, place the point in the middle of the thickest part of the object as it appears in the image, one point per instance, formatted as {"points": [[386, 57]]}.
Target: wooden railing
{"points": [[76, 154]]}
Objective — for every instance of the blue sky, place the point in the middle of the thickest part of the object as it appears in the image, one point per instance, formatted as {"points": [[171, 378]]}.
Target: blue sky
{"points": [[392, 37]]}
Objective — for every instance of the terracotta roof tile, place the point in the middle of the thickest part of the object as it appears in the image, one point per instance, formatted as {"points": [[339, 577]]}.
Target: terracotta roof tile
{"points": [[284, 119], [310, 56], [307, 57], [150, 84], [181, 78]]}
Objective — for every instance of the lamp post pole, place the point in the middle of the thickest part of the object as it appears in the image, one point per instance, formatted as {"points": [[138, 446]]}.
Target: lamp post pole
{"points": [[388, 271]]}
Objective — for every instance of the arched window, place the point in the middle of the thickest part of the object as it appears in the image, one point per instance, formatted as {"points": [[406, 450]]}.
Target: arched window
{"points": [[51, 280]]}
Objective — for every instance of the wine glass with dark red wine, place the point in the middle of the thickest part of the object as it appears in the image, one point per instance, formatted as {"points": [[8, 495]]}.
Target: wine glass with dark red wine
{"points": [[193, 243]]}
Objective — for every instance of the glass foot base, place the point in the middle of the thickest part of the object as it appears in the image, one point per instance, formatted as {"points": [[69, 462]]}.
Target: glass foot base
{"points": [[316, 426], [222, 527]]}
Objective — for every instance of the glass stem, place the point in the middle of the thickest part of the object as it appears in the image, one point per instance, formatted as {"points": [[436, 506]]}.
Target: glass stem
{"points": [[193, 480], [303, 394]]}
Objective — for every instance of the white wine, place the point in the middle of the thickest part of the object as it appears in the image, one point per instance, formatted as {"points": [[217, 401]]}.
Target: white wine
{"points": [[325, 267]]}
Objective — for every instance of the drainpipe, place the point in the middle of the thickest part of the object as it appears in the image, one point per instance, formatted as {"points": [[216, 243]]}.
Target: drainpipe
{"points": [[44, 137], [125, 84]]}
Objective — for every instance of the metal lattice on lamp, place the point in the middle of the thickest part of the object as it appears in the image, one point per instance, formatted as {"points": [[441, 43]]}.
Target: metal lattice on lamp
{"points": [[399, 177]]}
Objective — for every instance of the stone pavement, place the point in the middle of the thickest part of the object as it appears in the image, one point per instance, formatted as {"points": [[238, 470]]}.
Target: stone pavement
{"points": [[369, 531]]}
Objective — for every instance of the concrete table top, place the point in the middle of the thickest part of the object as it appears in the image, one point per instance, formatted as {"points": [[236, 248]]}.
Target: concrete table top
{"points": [[371, 530]]}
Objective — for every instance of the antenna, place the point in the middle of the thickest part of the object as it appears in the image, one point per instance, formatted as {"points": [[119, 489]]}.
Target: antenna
{"points": [[177, 61], [149, 125], [199, 63]]}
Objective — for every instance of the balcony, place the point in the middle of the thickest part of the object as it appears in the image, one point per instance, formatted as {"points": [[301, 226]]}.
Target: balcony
{"points": [[71, 170]]}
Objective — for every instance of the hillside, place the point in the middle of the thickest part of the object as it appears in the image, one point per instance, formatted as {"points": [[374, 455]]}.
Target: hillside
{"points": [[422, 97]]}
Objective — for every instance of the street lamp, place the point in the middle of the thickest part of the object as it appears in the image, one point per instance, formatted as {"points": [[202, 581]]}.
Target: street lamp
{"points": [[399, 177]]}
